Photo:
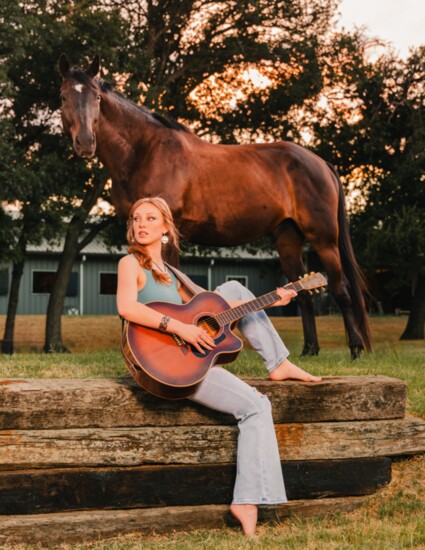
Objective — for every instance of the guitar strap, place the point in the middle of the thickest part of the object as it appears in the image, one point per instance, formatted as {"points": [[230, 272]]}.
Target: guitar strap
{"points": [[190, 286]]}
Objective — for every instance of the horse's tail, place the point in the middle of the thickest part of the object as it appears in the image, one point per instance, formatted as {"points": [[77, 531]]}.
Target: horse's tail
{"points": [[357, 287]]}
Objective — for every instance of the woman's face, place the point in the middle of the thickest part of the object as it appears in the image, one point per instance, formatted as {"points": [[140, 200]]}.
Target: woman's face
{"points": [[148, 224]]}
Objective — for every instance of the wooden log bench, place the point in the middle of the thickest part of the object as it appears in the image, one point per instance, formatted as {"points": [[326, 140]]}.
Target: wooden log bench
{"points": [[90, 458]]}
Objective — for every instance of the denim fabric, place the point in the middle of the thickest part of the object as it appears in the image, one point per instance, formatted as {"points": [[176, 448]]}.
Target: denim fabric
{"points": [[256, 327], [259, 477]]}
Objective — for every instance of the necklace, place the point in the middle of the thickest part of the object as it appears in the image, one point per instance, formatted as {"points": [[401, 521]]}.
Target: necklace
{"points": [[161, 270]]}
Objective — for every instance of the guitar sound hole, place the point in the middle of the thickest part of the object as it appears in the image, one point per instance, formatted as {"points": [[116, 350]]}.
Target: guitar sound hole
{"points": [[209, 324]]}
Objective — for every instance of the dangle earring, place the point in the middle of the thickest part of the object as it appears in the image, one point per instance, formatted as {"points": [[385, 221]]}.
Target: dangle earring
{"points": [[164, 238]]}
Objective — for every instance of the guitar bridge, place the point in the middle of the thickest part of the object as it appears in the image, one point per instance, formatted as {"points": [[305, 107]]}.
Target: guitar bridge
{"points": [[178, 340]]}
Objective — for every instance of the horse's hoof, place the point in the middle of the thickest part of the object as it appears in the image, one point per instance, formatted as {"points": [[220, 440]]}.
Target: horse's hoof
{"points": [[310, 349], [356, 351]]}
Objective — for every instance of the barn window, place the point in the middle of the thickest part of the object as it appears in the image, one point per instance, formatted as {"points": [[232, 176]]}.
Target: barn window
{"points": [[4, 281], [42, 282]]}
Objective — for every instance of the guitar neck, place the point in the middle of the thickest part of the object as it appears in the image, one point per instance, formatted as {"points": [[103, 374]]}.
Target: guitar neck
{"points": [[236, 313]]}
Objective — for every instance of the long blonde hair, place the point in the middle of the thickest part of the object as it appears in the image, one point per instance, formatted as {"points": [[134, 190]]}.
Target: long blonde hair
{"points": [[138, 250]]}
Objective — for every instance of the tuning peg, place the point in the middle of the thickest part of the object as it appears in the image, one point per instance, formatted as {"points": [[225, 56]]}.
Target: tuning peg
{"points": [[305, 276], [317, 291], [311, 273], [323, 289], [310, 292], [300, 276]]}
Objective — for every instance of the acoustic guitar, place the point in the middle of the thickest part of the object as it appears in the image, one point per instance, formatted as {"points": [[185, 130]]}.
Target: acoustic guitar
{"points": [[167, 366]]}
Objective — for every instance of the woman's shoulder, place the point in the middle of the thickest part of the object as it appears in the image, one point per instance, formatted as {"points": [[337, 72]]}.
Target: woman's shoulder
{"points": [[130, 262], [129, 259], [129, 268]]}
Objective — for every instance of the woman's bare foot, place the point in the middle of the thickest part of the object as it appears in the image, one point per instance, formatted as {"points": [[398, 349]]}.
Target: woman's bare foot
{"points": [[247, 514], [288, 370]]}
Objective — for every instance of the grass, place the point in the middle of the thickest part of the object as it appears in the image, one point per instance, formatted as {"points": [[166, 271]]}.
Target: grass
{"points": [[393, 518]]}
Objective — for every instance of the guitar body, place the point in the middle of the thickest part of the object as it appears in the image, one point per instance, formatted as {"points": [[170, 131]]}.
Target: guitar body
{"points": [[168, 367]]}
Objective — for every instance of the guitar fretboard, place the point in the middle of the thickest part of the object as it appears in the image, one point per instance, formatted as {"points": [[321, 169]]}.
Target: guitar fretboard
{"points": [[235, 313]]}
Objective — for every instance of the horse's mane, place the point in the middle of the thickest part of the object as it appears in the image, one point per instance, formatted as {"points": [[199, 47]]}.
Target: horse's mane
{"points": [[108, 88]]}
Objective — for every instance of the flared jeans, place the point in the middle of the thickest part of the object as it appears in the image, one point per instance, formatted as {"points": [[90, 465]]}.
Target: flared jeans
{"points": [[259, 477]]}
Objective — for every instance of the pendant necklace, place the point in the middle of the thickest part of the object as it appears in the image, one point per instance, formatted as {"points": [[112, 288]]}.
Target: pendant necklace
{"points": [[161, 270]]}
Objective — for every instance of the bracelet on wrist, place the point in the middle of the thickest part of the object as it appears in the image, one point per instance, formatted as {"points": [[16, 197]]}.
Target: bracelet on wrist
{"points": [[164, 323]]}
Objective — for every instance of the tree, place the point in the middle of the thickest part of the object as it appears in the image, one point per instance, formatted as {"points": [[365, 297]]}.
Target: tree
{"points": [[81, 231], [53, 184], [372, 129], [19, 183], [186, 58]]}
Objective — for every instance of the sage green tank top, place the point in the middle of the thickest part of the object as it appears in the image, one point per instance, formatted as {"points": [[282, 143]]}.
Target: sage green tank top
{"points": [[159, 292]]}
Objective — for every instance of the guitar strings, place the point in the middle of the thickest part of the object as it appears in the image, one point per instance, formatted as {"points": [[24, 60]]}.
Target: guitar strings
{"points": [[212, 323]]}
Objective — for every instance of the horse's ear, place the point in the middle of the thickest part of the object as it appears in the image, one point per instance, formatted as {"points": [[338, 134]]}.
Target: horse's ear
{"points": [[63, 65], [94, 67]]}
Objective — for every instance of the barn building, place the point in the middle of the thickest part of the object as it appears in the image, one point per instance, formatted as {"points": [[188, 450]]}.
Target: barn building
{"points": [[92, 286]]}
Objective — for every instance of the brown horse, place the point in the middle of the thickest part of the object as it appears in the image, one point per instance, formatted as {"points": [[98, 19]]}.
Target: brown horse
{"points": [[222, 195]]}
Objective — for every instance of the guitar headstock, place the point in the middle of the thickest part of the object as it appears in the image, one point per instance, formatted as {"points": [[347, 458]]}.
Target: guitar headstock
{"points": [[311, 282]]}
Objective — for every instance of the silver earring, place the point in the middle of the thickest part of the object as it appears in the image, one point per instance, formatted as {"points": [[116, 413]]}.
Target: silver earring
{"points": [[164, 239]]}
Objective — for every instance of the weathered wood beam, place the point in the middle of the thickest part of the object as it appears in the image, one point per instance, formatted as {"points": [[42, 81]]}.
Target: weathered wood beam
{"points": [[24, 449], [41, 491], [73, 527], [86, 403]]}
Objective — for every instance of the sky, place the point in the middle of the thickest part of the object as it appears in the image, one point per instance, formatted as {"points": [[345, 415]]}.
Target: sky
{"points": [[402, 22]]}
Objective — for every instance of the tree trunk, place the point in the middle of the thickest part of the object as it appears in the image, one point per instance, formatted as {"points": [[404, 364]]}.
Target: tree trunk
{"points": [[415, 324], [53, 335], [7, 344], [53, 339]]}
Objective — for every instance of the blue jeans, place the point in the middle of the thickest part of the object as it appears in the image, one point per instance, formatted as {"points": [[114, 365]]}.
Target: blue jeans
{"points": [[259, 477], [256, 327]]}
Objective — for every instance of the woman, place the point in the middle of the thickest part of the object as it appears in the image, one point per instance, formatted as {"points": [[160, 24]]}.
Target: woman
{"points": [[143, 277]]}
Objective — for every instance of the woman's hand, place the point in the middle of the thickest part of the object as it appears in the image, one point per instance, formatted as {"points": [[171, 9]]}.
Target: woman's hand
{"points": [[286, 296], [192, 334]]}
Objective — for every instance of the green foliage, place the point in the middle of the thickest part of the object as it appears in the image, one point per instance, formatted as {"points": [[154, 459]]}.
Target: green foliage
{"points": [[38, 173], [372, 129], [177, 47], [398, 242]]}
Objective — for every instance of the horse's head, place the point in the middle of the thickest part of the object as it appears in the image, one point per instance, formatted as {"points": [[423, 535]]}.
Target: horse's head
{"points": [[80, 96]]}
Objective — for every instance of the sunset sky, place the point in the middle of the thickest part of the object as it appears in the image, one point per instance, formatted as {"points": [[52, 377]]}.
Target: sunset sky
{"points": [[401, 22]]}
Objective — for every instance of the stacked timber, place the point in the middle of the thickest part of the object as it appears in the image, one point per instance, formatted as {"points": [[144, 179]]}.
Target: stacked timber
{"points": [[93, 458]]}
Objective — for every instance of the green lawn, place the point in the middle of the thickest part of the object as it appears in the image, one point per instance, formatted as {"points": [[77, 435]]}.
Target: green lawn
{"points": [[393, 518]]}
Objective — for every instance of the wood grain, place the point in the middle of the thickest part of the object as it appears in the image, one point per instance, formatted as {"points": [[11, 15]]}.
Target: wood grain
{"points": [[86, 403], [59, 490], [91, 447], [74, 527]]}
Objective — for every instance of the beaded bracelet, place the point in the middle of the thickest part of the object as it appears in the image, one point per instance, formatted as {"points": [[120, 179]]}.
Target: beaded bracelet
{"points": [[164, 323]]}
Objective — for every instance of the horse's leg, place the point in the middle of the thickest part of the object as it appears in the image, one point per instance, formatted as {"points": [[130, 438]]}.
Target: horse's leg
{"points": [[330, 258], [289, 242]]}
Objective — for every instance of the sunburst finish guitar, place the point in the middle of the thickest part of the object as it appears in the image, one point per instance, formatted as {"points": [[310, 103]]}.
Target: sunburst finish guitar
{"points": [[166, 366]]}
